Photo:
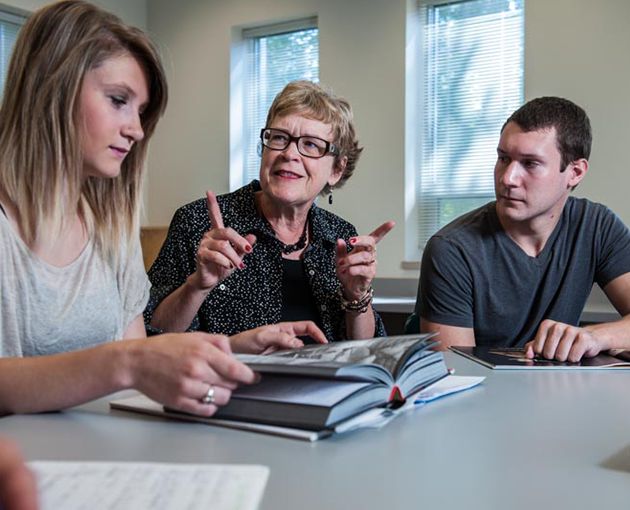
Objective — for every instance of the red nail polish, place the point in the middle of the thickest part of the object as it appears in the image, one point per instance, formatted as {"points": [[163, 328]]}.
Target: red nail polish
{"points": [[241, 265], [343, 271], [248, 248], [353, 240], [341, 262]]}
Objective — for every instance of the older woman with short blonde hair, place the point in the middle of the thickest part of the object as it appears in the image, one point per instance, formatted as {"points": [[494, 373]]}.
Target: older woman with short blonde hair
{"points": [[267, 253]]}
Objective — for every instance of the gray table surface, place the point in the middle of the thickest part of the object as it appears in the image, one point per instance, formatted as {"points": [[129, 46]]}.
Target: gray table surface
{"points": [[528, 439]]}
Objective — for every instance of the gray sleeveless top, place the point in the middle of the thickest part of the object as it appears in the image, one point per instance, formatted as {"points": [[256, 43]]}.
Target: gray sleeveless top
{"points": [[48, 310]]}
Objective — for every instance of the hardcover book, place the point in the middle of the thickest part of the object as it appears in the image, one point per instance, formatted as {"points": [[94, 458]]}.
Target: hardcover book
{"points": [[318, 386], [511, 358], [139, 403]]}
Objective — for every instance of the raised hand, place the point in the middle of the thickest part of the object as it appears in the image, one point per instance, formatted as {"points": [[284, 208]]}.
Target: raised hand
{"points": [[356, 269], [221, 250]]}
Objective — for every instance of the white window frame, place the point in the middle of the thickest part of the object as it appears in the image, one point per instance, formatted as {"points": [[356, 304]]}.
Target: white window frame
{"points": [[414, 94], [238, 82]]}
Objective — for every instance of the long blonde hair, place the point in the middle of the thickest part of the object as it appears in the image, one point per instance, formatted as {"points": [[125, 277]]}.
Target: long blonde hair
{"points": [[41, 163]]}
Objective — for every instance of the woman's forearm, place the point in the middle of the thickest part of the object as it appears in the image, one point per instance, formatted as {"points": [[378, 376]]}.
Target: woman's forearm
{"points": [[175, 370], [48, 383], [175, 313], [360, 325]]}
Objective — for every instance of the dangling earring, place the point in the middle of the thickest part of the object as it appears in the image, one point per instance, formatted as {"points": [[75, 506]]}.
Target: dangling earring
{"points": [[330, 200]]}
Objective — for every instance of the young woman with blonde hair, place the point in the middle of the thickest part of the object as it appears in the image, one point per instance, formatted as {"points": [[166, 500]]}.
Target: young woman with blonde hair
{"points": [[83, 95]]}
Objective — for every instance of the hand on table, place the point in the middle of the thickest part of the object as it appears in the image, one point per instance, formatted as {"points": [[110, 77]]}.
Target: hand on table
{"points": [[177, 370], [562, 342], [356, 269], [275, 337], [221, 250]]}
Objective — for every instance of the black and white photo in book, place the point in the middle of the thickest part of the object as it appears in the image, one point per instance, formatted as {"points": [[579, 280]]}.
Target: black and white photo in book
{"points": [[392, 353]]}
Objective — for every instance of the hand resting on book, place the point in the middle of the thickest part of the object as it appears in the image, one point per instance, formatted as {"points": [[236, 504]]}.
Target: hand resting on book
{"points": [[562, 342], [276, 337]]}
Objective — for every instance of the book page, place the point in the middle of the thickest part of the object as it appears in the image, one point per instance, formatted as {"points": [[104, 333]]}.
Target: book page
{"points": [[144, 486], [316, 392], [385, 351]]}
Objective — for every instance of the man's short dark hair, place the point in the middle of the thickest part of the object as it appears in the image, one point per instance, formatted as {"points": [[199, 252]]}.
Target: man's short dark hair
{"points": [[573, 128]]}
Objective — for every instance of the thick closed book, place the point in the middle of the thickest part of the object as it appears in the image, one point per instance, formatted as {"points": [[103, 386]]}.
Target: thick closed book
{"points": [[512, 358], [318, 386]]}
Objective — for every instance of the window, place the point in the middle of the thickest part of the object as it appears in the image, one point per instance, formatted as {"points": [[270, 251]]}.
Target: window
{"points": [[274, 56], [470, 81], [10, 25]]}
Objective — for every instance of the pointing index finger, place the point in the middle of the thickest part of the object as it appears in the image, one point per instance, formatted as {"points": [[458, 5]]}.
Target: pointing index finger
{"points": [[213, 210], [382, 231], [309, 328]]}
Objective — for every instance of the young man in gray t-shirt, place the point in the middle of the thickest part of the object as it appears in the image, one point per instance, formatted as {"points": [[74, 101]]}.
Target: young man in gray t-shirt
{"points": [[518, 271]]}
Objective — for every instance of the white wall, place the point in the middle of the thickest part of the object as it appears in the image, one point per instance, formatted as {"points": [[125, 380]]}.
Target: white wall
{"points": [[574, 48], [580, 49]]}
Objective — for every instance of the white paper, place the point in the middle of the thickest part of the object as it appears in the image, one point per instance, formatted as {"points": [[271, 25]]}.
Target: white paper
{"points": [[140, 486], [446, 386], [372, 419]]}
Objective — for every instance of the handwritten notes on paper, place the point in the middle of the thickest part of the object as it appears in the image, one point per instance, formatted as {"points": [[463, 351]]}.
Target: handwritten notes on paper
{"points": [[109, 486]]}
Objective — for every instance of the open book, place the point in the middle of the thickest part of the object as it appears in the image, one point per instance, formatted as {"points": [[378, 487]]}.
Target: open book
{"points": [[512, 358], [317, 386]]}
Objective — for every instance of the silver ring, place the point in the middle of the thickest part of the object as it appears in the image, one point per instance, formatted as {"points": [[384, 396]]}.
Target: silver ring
{"points": [[208, 398]]}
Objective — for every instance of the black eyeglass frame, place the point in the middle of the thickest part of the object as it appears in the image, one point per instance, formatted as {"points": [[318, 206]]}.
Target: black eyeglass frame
{"points": [[331, 148]]}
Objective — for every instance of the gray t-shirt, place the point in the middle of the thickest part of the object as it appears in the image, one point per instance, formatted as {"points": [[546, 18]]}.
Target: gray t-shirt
{"points": [[49, 310], [474, 275]]}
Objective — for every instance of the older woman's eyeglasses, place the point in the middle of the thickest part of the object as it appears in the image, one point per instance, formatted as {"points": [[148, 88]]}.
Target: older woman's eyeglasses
{"points": [[309, 146]]}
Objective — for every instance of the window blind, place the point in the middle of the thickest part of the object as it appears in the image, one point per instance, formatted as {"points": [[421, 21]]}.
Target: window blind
{"points": [[276, 55], [10, 25], [473, 81]]}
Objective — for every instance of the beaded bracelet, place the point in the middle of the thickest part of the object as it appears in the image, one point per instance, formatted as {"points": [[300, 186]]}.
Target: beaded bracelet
{"points": [[356, 305]]}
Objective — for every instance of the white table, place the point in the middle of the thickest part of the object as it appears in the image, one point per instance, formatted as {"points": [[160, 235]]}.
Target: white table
{"points": [[522, 440]]}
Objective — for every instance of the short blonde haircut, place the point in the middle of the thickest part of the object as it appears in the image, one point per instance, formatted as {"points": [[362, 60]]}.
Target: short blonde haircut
{"points": [[41, 161], [318, 103]]}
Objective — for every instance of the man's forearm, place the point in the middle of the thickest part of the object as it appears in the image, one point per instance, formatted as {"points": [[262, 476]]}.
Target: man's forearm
{"points": [[448, 335], [612, 335]]}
